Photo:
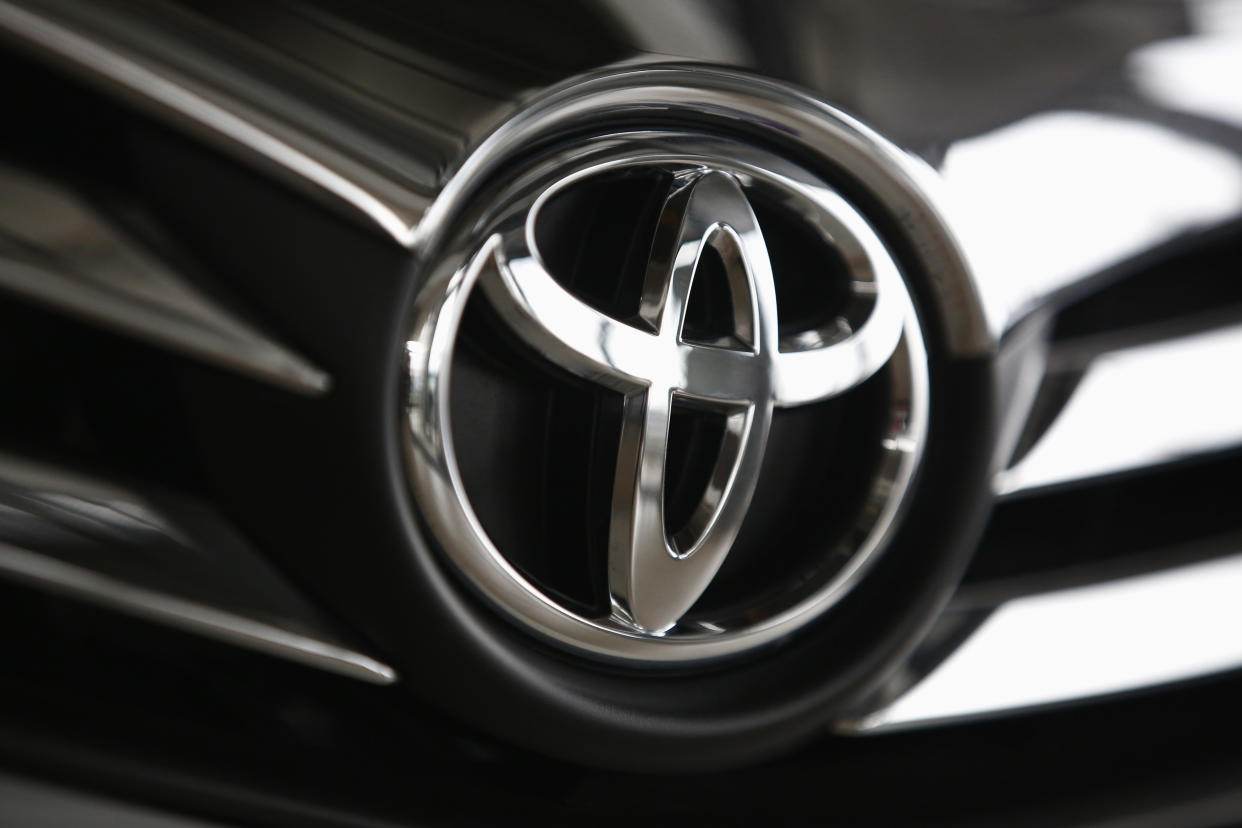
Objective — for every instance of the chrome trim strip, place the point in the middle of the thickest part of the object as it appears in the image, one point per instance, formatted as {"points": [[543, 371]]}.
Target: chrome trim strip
{"points": [[48, 573], [1069, 645], [1139, 407], [163, 558], [56, 250], [395, 207]]}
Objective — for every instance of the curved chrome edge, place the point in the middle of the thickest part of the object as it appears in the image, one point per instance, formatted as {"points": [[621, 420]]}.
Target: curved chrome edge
{"points": [[1136, 408], [1066, 646], [439, 490], [58, 251], [904, 185], [64, 578]]}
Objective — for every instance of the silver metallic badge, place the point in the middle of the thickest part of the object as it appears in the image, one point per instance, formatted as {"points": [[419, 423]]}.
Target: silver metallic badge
{"points": [[657, 572]]}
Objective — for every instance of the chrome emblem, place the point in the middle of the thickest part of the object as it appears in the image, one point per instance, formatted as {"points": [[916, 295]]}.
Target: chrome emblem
{"points": [[655, 576]]}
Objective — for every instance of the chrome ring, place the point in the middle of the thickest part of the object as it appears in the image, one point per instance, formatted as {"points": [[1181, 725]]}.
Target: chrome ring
{"points": [[436, 479]]}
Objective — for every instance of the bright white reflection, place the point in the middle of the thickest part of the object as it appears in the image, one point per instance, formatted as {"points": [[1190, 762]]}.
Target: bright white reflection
{"points": [[1216, 17], [1198, 74], [1084, 642], [1141, 407], [1052, 199]]}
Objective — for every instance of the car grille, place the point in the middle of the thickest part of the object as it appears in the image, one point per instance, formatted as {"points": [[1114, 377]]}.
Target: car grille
{"points": [[160, 232]]}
